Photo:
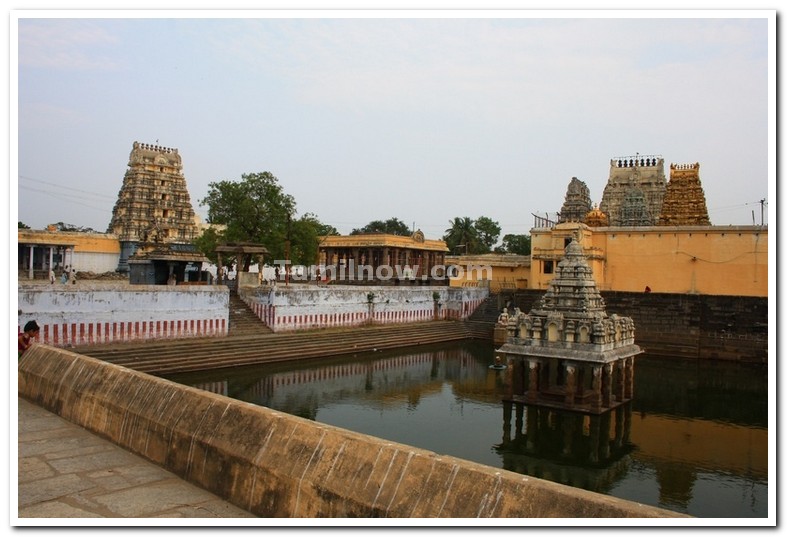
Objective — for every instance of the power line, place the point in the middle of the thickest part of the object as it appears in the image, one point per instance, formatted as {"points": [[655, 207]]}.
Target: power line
{"points": [[68, 188], [738, 206], [63, 197]]}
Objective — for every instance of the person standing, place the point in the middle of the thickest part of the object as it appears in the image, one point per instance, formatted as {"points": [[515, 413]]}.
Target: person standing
{"points": [[52, 276], [26, 337]]}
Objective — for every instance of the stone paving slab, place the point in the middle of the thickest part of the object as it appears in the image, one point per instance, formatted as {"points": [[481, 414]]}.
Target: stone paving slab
{"points": [[66, 471]]}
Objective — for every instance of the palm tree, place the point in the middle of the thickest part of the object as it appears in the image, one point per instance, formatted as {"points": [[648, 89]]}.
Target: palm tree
{"points": [[462, 233]]}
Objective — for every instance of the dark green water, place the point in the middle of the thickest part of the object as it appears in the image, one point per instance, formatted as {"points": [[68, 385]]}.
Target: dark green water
{"points": [[693, 440]]}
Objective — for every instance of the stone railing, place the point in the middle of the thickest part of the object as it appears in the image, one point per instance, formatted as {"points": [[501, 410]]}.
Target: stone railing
{"points": [[278, 465]]}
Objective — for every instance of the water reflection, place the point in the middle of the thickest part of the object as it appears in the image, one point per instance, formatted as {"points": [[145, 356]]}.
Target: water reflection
{"points": [[679, 444], [581, 450]]}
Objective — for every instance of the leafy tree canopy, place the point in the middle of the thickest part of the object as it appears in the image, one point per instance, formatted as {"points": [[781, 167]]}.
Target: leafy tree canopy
{"points": [[488, 231], [471, 236], [392, 226], [22, 225], [305, 236], [515, 244], [256, 209]]}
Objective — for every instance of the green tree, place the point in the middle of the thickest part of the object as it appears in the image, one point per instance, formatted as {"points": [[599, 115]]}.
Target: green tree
{"points": [[255, 209], [23, 226], [515, 244], [462, 236], [488, 231], [325, 230], [305, 234], [392, 226], [207, 242]]}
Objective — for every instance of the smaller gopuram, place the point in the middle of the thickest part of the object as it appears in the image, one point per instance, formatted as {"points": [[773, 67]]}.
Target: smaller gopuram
{"points": [[577, 202], [567, 352], [684, 201], [635, 190]]}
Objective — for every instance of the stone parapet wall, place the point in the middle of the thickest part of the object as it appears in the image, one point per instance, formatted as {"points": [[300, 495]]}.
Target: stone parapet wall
{"points": [[96, 313], [277, 465], [299, 307]]}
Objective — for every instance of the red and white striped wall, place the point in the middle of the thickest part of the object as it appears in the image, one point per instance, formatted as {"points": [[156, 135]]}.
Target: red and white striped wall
{"points": [[93, 333], [297, 309], [117, 312]]}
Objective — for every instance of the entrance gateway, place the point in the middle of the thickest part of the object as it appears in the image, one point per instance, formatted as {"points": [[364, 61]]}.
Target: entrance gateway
{"points": [[567, 353]]}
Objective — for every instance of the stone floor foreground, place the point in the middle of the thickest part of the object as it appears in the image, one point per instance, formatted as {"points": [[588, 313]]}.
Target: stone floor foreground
{"points": [[66, 471]]}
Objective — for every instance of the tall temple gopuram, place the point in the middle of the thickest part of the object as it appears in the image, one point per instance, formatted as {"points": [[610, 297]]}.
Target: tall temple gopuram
{"points": [[684, 202], [153, 206], [635, 191], [577, 202]]}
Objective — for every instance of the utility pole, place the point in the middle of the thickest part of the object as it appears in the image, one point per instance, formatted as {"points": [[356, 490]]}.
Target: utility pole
{"points": [[762, 211]]}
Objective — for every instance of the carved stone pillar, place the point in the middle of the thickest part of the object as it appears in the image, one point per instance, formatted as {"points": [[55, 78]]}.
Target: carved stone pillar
{"points": [[620, 384], [570, 383], [509, 377], [606, 385], [628, 391], [535, 372], [595, 388]]}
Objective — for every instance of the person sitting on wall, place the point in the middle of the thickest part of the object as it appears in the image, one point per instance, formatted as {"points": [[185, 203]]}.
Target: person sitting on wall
{"points": [[26, 337]]}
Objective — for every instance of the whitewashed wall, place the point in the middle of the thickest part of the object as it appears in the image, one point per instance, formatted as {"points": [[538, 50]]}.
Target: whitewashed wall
{"points": [[299, 307], [95, 262], [91, 313]]}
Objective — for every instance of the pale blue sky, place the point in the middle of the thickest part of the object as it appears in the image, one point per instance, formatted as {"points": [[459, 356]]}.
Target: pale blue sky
{"points": [[422, 119]]}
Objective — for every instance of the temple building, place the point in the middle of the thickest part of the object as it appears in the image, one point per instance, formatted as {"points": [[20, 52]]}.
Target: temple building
{"points": [[153, 206], [499, 272], [705, 260], [577, 203], [380, 259], [42, 250], [567, 352], [635, 191], [684, 201]]}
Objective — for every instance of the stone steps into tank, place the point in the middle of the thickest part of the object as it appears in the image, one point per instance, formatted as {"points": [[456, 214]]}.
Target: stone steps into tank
{"points": [[171, 356], [242, 320]]}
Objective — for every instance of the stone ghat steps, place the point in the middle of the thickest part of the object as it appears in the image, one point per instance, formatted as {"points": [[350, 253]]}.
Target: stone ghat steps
{"points": [[242, 320], [487, 311], [175, 356]]}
